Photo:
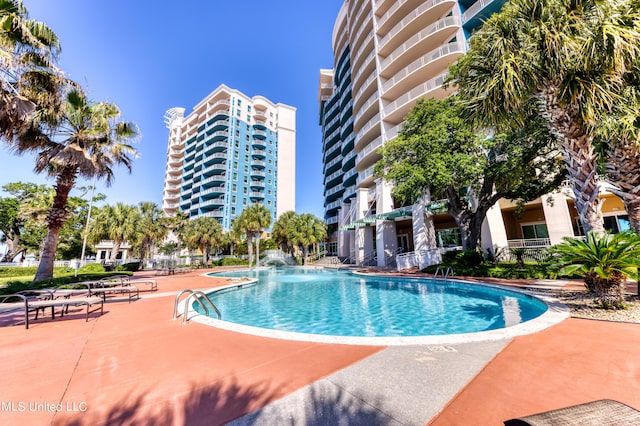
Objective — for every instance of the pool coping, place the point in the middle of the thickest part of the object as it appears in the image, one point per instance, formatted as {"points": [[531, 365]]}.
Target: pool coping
{"points": [[555, 314]]}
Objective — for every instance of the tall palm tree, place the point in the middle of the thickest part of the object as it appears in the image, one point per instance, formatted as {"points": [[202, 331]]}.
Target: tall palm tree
{"points": [[573, 57], [307, 231], [153, 227], [29, 81], [281, 232], [604, 260], [202, 234], [253, 221], [86, 140], [119, 223]]}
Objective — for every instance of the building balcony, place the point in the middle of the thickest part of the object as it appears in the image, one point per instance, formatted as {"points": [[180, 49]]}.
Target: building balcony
{"points": [[214, 169], [350, 177], [365, 178], [475, 15], [349, 193], [422, 69], [258, 164], [259, 153], [408, 21], [349, 161], [256, 195], [213, 180], [398, 109], [430, 38], [214, 191], [368, 88], [367, 110], [255, 173], [218, 214], [333, 178], [368, 156], [217, 125], [259, 114], [332, 153], [260, 125], [529, 243], [258, 184], [213, 202], [332, 165], [258, 143], [368, 132], [215, 147]]}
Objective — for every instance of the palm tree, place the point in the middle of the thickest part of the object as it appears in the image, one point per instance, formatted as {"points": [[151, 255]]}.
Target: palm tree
{"points": [[29, 81], [202, 233], [119, 223], [572, 57], [86, 140], [604, 260], [153, 227], [307, 231], [253, 221], [281, 232]]}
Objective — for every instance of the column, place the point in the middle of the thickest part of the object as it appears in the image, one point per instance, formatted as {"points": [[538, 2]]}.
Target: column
{"points": [[363, 235], [424, 234], [493, 234], [557, 217], [386, 239]]}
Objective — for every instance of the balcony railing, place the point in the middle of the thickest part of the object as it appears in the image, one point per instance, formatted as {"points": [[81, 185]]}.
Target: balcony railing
{"points": [[529, 242]]}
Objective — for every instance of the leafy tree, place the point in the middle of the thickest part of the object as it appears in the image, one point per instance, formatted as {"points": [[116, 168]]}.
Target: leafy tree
{"points": [[28, 227], [202, 234], [119, 223], [604, 260], [252, 222], [85, 139], [438, 152], [574, 58]]}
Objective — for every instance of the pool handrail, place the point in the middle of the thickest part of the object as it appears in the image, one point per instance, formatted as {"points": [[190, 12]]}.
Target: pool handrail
{"points": [[198, 295]]}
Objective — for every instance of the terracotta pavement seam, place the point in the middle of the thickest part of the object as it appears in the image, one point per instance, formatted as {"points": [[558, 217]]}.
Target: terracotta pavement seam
{"points": [[435, 418], [75, 367]]}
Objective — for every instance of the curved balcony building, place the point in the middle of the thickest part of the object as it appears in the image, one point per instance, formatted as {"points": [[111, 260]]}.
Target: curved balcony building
{"points": [[230, 152], [388, 55]]}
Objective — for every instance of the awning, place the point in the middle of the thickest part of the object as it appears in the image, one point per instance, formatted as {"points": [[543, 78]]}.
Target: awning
{"points": [[436, 207], [394, 214]]}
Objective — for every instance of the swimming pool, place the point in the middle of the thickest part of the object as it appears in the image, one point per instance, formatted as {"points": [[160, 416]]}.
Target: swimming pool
{"points": [[337, 303]]}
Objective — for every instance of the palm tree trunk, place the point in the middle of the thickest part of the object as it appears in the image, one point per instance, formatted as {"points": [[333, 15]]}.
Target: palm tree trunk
{"points": [[623, 167], [579, 156], [114, 251], [257, 250], [56, 219], [249, 249]]}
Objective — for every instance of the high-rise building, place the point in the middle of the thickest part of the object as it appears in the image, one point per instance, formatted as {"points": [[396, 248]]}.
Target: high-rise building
{"points": [[230, 152], [388, 54]]}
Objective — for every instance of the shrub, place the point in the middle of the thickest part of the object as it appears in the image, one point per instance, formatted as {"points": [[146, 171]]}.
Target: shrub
{"points": [[91, 268], [129, 267]]}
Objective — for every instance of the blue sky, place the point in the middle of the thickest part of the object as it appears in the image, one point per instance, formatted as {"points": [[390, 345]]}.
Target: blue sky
{"points": [[149, 56]]}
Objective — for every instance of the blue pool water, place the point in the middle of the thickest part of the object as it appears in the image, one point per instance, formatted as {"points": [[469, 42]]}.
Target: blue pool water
{"points": [[339, 303]]}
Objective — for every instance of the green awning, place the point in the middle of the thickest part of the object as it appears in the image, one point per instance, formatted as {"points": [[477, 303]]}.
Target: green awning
{"points": [[394, 214]]}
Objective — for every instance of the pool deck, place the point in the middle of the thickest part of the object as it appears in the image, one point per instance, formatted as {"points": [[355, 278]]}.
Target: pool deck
{"points": [[135, 365]]}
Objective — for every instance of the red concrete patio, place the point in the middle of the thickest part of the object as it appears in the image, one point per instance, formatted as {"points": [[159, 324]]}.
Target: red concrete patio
{"points": [[135, 365]]}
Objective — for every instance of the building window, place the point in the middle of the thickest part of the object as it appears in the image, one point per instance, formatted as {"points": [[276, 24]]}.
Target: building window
{"points": [[246, 158], [534, 230], [236, 154], [234, 187], [616, 224], [233, 199], [448, 237], [244, 201], [246, 179], [244, 190]]}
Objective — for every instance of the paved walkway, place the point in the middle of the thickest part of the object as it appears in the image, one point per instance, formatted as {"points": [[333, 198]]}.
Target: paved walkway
{"points": [[134, 365]]}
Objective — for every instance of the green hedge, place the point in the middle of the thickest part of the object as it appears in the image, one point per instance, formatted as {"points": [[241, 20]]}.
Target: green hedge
{"points": [[67, 279]]}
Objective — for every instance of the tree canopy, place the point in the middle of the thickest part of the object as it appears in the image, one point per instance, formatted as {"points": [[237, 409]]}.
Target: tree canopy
{"points": [[440, 153]]}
